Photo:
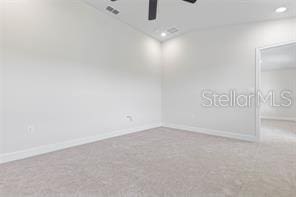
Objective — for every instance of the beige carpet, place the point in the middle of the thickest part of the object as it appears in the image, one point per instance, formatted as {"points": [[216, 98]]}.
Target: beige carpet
{"points": [[164, 163]]}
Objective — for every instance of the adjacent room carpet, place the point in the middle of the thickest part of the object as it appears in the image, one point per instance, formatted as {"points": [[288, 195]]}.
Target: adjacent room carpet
{"points": [[161, 162]]}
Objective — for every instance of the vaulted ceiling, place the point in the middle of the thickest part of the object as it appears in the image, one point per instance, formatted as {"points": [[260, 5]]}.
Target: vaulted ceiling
{"points": [[177, 14]]}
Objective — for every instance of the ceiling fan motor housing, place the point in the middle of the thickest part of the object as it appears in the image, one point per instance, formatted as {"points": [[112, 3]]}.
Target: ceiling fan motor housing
{"points": [[153, 8]]}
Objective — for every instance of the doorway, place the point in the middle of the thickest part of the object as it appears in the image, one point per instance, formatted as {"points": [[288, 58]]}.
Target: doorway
{"points": [[275, 80]]}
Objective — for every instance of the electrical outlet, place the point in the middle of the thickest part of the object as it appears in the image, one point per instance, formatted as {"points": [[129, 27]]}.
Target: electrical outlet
{"points": [[31, 129], [130, 118]]}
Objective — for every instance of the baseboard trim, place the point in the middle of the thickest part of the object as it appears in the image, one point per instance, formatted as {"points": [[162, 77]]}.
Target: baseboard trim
{"points": [[278, 118], [226, 134], [8, 157]]}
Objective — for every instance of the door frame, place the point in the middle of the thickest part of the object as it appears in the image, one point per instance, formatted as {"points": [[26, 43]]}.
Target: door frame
{"points": [[258, 82]]}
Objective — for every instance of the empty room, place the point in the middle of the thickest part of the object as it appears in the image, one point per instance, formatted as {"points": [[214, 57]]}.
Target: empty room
{"points": [[147, 98]]}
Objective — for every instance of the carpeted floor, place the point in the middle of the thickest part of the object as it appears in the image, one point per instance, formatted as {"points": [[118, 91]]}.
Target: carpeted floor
{"points": [[164, 163]]}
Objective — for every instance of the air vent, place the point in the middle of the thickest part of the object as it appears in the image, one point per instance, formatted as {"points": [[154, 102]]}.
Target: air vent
{"points": [[172, 30], [115, 12], [109, 8], [112, 10]]}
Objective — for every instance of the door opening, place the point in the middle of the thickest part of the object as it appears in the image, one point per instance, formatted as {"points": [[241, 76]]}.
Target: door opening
{"points": [[275, 75]]}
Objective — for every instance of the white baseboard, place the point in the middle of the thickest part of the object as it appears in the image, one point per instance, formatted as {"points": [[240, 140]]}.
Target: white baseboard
{"points": [[7, 157], [278, 118], [225, 134]]}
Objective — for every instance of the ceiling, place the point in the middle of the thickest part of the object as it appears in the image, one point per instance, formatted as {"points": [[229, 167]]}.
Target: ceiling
{"points": [[186, 16], [283, 57]]}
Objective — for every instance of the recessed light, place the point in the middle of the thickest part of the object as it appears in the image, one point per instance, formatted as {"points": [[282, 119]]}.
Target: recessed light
{"points": [[163, 34], [281, 9]]}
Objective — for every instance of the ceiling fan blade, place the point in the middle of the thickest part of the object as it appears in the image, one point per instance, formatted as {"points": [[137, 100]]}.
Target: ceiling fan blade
{"points": [[152, 9], [190, 1]]}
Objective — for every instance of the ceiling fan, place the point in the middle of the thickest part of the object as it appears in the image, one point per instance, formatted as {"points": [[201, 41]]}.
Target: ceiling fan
{"points": [[153, 8]]}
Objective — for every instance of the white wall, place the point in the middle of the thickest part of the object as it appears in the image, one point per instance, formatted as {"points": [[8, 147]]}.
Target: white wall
{"points": [[73, 72], [221, 59], [1, 75], [277, 81]]}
